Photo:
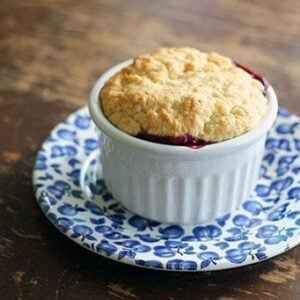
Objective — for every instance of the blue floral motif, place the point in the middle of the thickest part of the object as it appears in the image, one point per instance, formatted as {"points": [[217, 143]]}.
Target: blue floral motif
{"points": [[296, 170], [243, 225], [98, 187], [142, 224], [263, 172], [297, 144], [243, 221], [106, 248], [207, 258], [94, 208], [273, 235], [176, 245], [115, 235], [222, 220], [282, 184], [203, 247], [66, 134], [156, 264], [244, 250], [70, 210], [82, 122], [204, 233], [222, 245], [147, 238], [179, 264], [77, 194], [41, 162], [73, 162], [56, 168], [266, 224], [171, 232], [58, 151], [287, 128], [282, 169], [236, 256], [254, 207], [278, 213], [104, 229], [131, 248], [64, 224], [269, 158], [207, 232], [293, 214], [281, 144], [170, 248], [284, 164], [287, 159], [262, 190], [83, 231], [283, 113], [58, 189], [117, 220], [90, 145], [75, 176], [294, 193], [163, 251], [99, 221], [45, 201]]}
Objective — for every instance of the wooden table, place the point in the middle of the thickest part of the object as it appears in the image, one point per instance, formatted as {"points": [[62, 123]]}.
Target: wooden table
{"points": [[51, 52]]}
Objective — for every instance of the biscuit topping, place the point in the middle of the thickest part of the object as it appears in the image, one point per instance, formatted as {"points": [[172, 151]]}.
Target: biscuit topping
{"points": [[176, 92]]}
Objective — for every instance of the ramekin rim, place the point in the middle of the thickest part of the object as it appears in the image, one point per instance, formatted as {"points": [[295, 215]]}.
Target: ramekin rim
{"points": [[105, 126]]}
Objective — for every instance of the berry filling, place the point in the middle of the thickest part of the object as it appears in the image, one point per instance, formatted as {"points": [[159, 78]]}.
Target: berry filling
{"points": [[253, 74], [182, 140], [187, 139]]}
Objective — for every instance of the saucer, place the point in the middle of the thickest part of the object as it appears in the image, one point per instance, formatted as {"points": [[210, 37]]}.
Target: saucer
{"points": [[71, 192]]}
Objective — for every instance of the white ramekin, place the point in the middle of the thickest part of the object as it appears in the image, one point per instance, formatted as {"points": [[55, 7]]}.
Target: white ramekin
{"points": [[177, 184]]}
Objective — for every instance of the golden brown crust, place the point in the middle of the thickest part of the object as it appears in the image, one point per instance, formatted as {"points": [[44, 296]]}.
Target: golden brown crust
{"points": [[176, 91]]}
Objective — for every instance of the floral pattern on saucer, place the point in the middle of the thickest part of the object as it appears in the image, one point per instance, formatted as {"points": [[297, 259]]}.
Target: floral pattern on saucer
{"points": [[71, 192]]}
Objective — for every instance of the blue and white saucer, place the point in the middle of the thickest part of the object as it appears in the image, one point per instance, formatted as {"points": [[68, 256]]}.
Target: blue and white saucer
{"points": [[72, 194]]}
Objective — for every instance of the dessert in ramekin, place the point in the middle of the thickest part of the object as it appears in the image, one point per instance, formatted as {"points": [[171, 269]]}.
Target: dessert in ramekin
{"points": [[182, 133]]}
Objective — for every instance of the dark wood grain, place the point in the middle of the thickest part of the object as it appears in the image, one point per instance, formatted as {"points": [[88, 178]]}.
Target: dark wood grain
{"points": [[51, 52]]}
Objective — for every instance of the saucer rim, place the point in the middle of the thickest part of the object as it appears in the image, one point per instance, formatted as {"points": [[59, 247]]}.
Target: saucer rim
{"points": [[225, 265]]}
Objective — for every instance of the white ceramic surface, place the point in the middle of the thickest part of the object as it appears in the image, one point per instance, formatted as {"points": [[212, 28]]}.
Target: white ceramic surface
{"points": [[177, 184]]}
